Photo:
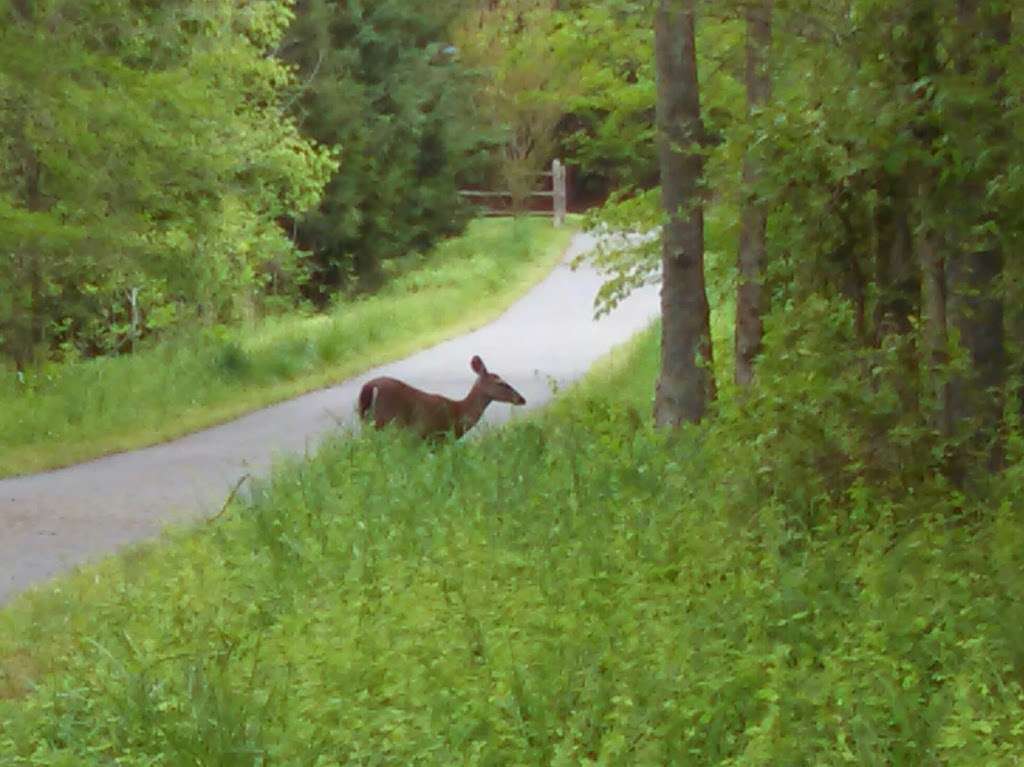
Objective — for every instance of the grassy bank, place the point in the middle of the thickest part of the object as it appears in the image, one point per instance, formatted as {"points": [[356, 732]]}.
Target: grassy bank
{"points": [[576, 589], [89, 409]]}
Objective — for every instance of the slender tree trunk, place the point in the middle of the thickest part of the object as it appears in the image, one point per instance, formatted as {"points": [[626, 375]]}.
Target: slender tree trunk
{"points": [[977, 313], [852, 276], [369, 275], [23, 8], [895, 272], [36, 203], [687, 383], [936, 335], [25, 330], [898, 280], [909, 221], [974, 278], [750, 297]]}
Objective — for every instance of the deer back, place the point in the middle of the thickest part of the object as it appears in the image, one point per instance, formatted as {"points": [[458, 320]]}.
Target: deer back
{"points": [[390, 401]]}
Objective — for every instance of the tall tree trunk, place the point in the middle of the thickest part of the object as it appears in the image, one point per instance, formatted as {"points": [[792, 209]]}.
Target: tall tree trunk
{"points": [[23, 8], [852, 276], [936, 334], [369, 274], [36, 203], [687, 383], [895, 271], [974, 278], [750, 298], [23, 333], [976, 309], [899, 285], [910, 214]]}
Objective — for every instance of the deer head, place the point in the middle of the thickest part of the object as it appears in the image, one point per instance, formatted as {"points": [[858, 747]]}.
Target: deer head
{"points": [[493, 385]]}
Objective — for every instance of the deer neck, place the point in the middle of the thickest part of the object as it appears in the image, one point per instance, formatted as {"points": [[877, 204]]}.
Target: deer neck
{"points": [[471, 408]]}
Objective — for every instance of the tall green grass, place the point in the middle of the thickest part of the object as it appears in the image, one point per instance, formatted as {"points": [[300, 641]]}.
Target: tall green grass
{"points": [[83, 410], [575, 589]]}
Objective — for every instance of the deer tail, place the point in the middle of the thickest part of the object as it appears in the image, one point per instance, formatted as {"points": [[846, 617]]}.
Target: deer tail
{"points": [[366, 397]]}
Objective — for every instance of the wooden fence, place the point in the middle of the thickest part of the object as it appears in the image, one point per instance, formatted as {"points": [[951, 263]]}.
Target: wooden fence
{"points": [[557, 194]]}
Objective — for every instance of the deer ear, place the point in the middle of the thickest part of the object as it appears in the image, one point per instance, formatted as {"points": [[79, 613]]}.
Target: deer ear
{"points": [[478, 365]]}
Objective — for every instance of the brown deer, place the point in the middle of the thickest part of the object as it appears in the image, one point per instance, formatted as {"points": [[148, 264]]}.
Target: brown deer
{"points": [[431, 416]]}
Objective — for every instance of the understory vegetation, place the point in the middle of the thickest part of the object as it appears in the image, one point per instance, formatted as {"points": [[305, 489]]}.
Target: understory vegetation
{"points": [[70, 412], [578, 588]]}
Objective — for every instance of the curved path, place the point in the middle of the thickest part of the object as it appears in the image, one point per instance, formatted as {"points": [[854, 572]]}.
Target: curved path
{"points": [[54, 521]]}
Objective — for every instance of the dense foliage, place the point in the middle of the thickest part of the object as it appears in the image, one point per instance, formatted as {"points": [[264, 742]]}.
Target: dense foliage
{"points": [[572, 79], [160, 172], [382, 83], [144, 158], [886, 162], [903, 202], [888, 167], [580, 590]]}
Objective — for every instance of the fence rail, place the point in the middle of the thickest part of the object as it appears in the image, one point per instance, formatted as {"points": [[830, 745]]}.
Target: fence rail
{"points": [[558, 195]]}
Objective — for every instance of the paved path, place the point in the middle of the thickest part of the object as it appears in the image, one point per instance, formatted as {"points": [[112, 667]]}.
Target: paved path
{"points": [[53, 521]]}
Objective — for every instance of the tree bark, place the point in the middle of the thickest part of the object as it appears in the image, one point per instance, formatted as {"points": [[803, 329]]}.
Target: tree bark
{"points": [[750, 297], [895, 272], [898, 280], [936, 334], [686, 384], [907, 220], [23, 9], [973, 279], [24, 332], [369, 274], [977, 313]]}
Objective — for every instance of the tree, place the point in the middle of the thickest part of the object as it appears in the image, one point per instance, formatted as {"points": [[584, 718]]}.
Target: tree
{"points": [[750, 294], [886, 140], [149, 158], [608, 128], [894, 171], [974, 275], [382, 85], [524, 86], [686, 384]]}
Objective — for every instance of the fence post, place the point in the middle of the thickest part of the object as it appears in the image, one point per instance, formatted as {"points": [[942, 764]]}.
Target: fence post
{"points": [[558, 188], [135, 317]]}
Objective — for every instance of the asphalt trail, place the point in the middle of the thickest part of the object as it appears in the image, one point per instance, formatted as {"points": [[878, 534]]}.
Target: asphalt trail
{"points": [[52, 522]]}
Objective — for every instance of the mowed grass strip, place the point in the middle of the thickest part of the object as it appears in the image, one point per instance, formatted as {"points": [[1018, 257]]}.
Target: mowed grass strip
{"points": [[570, 590], [88, 409]]}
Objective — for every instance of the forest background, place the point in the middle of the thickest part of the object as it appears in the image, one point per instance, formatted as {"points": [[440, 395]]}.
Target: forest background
{"points": [[825, 569]]}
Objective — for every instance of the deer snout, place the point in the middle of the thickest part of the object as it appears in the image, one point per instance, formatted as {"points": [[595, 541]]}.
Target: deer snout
{"points": [[519, 400]]}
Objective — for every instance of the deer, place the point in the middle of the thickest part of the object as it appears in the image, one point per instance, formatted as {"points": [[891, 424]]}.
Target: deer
{"points": [[433, 416]]}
